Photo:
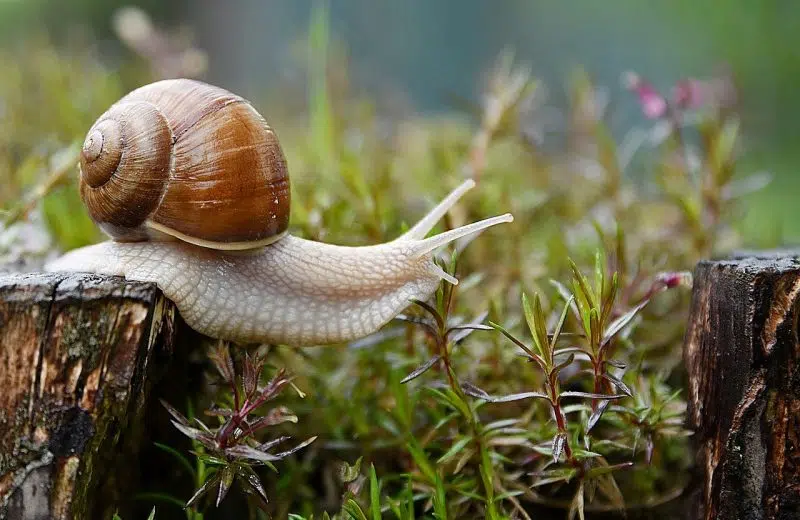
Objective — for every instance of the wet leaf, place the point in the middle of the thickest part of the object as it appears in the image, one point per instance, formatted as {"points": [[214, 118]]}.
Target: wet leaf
{"points": [[269, 444], [250, 477], [226, 479], [297, 448]]}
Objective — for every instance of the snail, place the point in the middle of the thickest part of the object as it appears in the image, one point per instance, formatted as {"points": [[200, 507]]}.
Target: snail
{"points": [[191, 184]]}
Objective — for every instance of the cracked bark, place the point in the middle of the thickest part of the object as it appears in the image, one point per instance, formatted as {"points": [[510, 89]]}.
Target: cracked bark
{"points": [[79, 355], [742, 355]]}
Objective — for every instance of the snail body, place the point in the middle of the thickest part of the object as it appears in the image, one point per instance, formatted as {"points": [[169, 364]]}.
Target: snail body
{"points": [[254, 282]]}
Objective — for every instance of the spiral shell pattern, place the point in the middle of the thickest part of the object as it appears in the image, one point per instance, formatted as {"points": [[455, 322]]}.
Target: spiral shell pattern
{"points": [[187, 159]]}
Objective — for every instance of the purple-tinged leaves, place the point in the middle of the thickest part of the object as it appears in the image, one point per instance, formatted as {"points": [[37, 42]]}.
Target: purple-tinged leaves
{"points": [[432, 311], [590, 395], [477, 393], [596, 415], [615, 363], [221, 358], [559, 441], [517, 397], [251, 371], [274, 442], [202, 490], [297, 448], [243, 451], [195, 434], [414, 320], [473, 391], [619, 383], [179, 417], [275, 416], [251, 481], [421, 369], [459, 333], [226, 479]]}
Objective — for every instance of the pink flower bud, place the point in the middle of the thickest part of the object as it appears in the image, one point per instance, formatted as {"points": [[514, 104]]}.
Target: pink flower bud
{"points": [[675, 279], [653, 104]]}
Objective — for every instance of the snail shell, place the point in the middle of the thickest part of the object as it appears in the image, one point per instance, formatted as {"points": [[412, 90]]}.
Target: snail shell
{"points": [[189, 160]]}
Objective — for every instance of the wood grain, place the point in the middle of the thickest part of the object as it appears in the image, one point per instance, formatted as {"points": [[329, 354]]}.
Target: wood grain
{"points": [[78, 356], [742, 356]]}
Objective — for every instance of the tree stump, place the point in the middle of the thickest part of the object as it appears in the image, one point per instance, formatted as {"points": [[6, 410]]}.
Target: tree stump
{"points": [[78, 356], [742, 355]]}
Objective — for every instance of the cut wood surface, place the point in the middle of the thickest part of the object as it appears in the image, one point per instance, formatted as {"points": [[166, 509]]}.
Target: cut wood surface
{"points": [[78, 354], [742, 355]]}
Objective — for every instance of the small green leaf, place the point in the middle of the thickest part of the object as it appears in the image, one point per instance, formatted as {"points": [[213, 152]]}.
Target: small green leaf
{"points": [[421, 460], [530, 317], [454, 450], [352, 508], [599, 274], [585, 289], [374, 494], [561, 320], [348, 473]]}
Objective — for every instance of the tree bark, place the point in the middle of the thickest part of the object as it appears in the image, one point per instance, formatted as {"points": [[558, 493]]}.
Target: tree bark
{"points": [[742, 355], [78, 357]]}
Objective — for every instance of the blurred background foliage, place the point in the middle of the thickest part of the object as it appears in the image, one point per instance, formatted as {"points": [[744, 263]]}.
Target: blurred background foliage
{"points": [[422, 56], [381, 109]]}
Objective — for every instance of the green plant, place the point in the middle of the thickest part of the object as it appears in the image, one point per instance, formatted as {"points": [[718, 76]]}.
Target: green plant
{"points": [[231, 450], [584, 414]]}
